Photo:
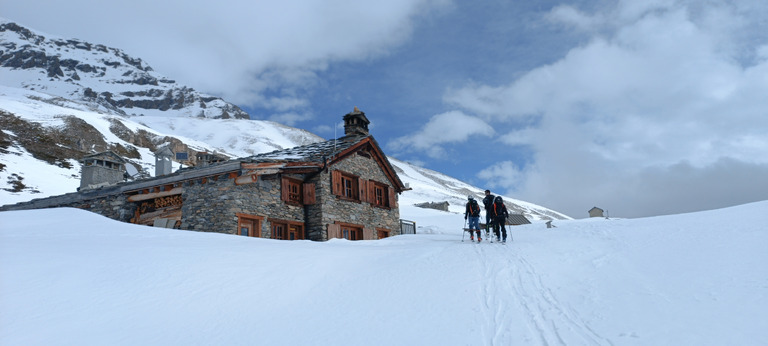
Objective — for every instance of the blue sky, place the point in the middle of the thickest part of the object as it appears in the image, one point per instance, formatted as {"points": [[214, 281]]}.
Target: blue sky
{"points": [[641, 107]]}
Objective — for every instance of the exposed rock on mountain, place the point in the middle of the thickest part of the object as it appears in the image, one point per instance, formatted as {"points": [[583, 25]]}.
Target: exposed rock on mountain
{"points": [[101, 75]]}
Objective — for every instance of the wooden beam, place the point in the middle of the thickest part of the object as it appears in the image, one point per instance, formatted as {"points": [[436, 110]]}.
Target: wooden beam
{"points": [[246, 179], [146, 196]]}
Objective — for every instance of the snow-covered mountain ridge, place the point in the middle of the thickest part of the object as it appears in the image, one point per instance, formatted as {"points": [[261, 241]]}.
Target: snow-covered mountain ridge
{"points": [[48, 122], [105, 77]]}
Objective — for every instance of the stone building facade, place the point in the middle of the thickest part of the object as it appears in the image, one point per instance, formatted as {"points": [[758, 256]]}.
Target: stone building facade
{"points": [[342, 188]]}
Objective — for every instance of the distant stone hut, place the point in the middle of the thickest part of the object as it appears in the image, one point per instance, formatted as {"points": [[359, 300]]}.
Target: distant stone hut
{"points": [[341, 188], [443, 206], [595, 212]]}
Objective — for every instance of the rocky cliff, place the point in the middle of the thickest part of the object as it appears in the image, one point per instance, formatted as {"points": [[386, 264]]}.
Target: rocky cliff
{"points": [[104, 76]]}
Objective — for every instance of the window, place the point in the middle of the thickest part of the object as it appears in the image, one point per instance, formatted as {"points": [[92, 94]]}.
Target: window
{"points": [[380, 195], [351, 232], [348, 186], [296, 192], [287, 230], [382, 233], [249, 225]]}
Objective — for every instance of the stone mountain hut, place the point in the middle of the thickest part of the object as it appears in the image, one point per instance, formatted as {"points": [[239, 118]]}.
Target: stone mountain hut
{"points": [[595, 212], [340, 188]]}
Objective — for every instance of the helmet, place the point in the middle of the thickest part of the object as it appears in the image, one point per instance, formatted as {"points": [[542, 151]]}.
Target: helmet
{"points": [[498, 199], [470, 197]]}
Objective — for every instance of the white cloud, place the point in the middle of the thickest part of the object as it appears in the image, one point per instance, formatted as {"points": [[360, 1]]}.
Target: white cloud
{"points": [[648, 117], [290, 118], [445, 128], [502, 175], [241, 50]]}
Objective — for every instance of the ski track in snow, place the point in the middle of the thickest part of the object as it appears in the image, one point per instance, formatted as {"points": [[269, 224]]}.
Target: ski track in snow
{"points": [[551, 322]]}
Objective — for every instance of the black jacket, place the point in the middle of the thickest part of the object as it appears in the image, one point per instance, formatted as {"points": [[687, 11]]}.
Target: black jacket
{"points": [[499, 211], [472, 209], [487, 202]]}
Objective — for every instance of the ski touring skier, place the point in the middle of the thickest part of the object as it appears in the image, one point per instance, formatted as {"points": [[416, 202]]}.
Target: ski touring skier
{"points": [[488, 205], [472, 211], [499, 215]]}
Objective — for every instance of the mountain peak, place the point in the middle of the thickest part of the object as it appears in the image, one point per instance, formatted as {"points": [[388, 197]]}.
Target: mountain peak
{"points": [[104, 76]]}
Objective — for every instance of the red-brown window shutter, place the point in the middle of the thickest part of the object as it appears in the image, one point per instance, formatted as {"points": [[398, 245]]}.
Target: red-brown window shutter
{"points": [[371, 192], [336, 182], [309, 193], [361, 184], [284, 189], [392, 197]]}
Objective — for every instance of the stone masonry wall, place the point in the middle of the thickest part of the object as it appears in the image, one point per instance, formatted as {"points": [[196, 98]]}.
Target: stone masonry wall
{"points": [[362, 213], [213, 206], [112, 205]]}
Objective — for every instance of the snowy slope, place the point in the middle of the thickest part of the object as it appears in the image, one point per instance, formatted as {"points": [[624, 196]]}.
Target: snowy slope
{"points": [[694, 279], [432, 186], [232, 137]]}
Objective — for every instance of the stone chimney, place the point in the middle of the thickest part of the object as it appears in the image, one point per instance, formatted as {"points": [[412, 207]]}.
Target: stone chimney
{"points": [[102, 169], [163, 161], [356, 123]]}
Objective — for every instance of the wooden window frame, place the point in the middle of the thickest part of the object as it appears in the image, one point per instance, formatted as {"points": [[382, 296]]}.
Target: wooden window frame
{"points": [[302, 234], [380, 196], [382, 233], [350, 231], [291, 191], [348, 186], [242, 218]]}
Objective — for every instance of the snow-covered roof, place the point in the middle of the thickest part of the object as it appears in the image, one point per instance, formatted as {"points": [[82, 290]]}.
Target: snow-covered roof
{"points": [[315, 152]]}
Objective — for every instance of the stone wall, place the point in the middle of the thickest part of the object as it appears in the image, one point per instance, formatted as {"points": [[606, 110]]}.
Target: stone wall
{"points": [[213, 206], [97, 175], [354, 212], [107, 202]]}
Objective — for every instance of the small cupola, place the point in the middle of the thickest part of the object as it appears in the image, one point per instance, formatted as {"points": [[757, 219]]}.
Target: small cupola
{"points": [[355, 123]]}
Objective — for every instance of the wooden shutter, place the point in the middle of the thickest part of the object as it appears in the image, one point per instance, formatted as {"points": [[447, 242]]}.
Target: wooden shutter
{"points": [[369, 234], [361, 184], [284, 189], [392, 197], [334, 231], [371, 192], [308, 190], [336, 182]]}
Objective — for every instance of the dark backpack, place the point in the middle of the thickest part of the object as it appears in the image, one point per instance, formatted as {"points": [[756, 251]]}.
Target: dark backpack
{"points": [[474, 207]]}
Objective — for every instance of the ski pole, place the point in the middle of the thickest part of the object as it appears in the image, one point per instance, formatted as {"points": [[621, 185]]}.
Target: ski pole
{"points": [[462, 230]]}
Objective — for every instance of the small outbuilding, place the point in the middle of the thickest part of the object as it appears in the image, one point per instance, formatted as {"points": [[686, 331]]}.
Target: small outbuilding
{"points": [[517, 220], [102, 169], [595, 212]]}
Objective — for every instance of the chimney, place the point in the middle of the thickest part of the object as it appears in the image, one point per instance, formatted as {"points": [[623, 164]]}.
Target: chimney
{"points": [[102, 169], [355, 123], [163, 161]]}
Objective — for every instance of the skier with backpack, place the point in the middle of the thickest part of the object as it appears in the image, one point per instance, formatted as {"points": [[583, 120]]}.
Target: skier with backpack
{"points": [[472, 211], [499, 215], [488, 205]]}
